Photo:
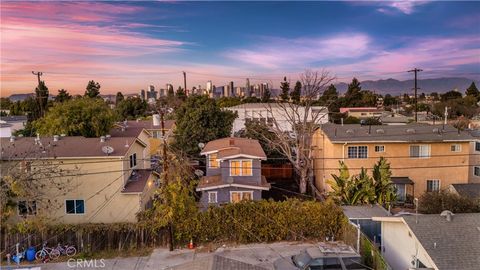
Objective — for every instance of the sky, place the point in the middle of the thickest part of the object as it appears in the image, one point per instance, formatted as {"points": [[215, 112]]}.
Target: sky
{"points": [[126, 46]]}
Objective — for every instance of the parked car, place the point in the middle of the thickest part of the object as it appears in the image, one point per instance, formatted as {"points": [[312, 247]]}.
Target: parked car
{"points": [[322, 258]]}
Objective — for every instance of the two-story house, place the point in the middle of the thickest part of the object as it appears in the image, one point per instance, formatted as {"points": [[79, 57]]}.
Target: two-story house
{"points": [[82, 180], [233, 171], [422, 157]]}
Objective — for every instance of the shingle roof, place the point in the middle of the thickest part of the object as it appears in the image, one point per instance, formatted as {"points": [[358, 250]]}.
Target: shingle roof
{"points": [[69, 146], [216, 262], [233, 146], [136, 182], [364, 211], [399, 133], [470, 190], [452, 245]]}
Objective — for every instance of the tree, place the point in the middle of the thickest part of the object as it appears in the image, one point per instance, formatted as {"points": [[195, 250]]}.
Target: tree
{"points": [[257, 130], [131, 108], [180, 94], [329, 96], [450, 95], [285, 86], [200, 120], [296, 144], [296, 93], [388, 100], [353, 95], [62, 96], [41, 94], [119, 98], [266, 95], [369, 99], [473, 91], [5, 103], [228, 101], [436, 202], [435, 96], [93, 89], [77, 117]]}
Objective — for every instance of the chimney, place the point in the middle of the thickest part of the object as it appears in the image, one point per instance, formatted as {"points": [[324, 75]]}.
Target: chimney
{"points": [[102, 138], [56, 138], [231, 142]]}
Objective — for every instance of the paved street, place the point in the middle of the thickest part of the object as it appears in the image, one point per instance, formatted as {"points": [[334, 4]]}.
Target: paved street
{"points": [[161, 259]]}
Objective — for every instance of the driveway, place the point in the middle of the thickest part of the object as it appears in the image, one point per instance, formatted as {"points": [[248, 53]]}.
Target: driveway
{"points": [[262, 255]]}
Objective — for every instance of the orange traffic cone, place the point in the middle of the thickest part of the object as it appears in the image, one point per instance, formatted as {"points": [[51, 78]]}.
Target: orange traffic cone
{"points": [[190, 245]]}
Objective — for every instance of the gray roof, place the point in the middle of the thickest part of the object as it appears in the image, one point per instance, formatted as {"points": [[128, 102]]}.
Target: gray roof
{"points": [[14, 118], [470, 190], [401, 133], [364, 211], [216, 262], [402, 180], [451, 244]]}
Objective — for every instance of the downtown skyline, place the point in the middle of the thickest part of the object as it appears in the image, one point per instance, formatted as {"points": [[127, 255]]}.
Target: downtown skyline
{"points": [[128, 45]]}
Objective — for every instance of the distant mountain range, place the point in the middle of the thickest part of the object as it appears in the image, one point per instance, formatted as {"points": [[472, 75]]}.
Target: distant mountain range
{"points": [[396, 87]]}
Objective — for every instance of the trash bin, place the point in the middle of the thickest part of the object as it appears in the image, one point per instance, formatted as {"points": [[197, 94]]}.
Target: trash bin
{"points": [[31, 254]]}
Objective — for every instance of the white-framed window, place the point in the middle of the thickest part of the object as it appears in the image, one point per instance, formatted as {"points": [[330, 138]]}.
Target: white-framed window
{"points": [[420, 151], [27, 208], [476, 170], [75, 206], [379, 148], [133, 160], [236, 196], [213, 161], [433, 185], [241, 167], [456, 148], [477, 146], [157, 134], [357, 151], [212, 197]]}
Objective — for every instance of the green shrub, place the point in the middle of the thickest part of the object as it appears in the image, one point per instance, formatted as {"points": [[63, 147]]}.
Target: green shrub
{"points": [[436, 202]]}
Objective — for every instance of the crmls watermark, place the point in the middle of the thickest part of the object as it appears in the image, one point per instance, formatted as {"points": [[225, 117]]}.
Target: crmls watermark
{"points": [[83, 263]]}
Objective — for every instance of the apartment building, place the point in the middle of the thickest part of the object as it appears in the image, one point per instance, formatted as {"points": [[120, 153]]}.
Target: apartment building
{"points": [[82, 180], [422, 157]]}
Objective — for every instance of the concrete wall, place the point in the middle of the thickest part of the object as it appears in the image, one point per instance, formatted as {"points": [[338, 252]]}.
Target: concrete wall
{"points": [[399, 246], [474, 160], [327, 157]]}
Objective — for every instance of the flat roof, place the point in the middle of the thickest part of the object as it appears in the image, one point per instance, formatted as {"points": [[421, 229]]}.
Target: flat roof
{"points": [[364, 211]]}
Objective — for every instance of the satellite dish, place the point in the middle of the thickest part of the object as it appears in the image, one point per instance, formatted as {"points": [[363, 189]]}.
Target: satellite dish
{"points": [[107, 149], [230, 180], [201, 145]]}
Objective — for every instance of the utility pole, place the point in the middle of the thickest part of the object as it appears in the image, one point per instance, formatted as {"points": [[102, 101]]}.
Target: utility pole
{"points": [[416, 70], [185, 82], [38, 74], [38, 94], [446, 115]]}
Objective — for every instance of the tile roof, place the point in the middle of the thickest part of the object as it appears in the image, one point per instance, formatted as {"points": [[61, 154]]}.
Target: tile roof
{"points": [[216, 180], [452, 245], [364, 211], [216, 262], [136, 182], [470, 190], [233, 146], [396, 133], [68, 146]]}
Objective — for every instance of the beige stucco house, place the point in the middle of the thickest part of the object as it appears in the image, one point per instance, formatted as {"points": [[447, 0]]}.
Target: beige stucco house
{"points": [[422, 157], [102, 180]]}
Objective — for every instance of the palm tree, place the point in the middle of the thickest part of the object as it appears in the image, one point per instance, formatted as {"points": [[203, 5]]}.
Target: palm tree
{"points": [[384, 187]]}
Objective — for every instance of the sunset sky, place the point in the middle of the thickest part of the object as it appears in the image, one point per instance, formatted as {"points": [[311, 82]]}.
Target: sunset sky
{"points": [[128, 45]]}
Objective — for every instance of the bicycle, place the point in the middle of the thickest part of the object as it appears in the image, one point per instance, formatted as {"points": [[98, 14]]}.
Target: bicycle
{"points": [[66, 250], [47, 253]]}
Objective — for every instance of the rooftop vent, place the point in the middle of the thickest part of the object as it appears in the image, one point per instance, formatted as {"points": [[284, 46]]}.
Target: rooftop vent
{"points": [[447, 214], [349, 131], [56, 138], [102, 138], [156, 119], [410, 130], [436, 130], [380, 131], [63, 134], [108, 136], [12, 138]]}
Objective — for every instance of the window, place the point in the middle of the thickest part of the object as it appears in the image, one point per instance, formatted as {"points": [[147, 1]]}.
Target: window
{"points": [[157, 134], [476, 171], [420, 151], [456, 148], [433, 185], [213, 161], [75, 206], [240, 167], [133, 160], [477, 146], [212, 197], [236, 196], [357, 152], [379, 148], [27, 208]]}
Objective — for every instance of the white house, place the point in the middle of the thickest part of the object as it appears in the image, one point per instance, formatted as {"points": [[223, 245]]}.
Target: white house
{"points": [[10, 124], [446, 241], [266, 112]]}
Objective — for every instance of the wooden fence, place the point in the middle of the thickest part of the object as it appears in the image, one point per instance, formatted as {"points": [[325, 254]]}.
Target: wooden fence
{"points": [[277, 172]]}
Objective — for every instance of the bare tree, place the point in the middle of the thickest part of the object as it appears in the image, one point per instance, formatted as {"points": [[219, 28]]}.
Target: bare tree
{"points": [[304, 120]]}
